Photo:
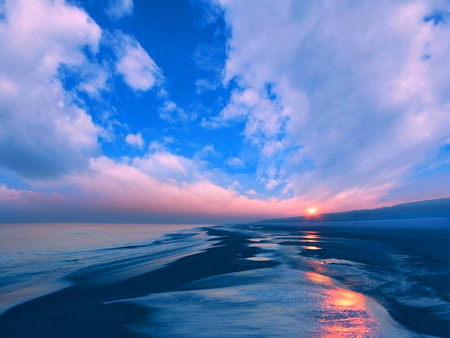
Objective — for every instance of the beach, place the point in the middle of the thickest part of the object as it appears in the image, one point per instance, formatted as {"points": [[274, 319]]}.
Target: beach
{"points": [[347, 279]]}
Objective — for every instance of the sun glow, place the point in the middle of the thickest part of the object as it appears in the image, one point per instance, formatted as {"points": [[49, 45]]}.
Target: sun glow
{"points": [[312, 210]]}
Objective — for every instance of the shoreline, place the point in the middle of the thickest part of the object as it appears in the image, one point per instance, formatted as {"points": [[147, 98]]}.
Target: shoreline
{"points": [[70, 312], [249, 255]]}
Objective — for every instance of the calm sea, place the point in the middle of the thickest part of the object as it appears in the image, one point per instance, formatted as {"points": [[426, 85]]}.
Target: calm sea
{"points": [[34, 257]]}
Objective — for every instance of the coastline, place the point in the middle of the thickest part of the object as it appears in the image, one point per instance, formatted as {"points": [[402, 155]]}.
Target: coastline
{"points": [[256, 268], [89, 310]]}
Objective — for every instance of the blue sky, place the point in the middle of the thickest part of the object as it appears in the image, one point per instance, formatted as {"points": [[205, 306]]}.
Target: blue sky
{"points": [[209, 111]]}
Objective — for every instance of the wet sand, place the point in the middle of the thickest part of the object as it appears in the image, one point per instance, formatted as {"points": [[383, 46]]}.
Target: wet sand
{"points": [[403, 264]]}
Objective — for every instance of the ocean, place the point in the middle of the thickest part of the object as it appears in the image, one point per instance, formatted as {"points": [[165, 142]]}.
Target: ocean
{"points": [[34, 258], [386, 278]]}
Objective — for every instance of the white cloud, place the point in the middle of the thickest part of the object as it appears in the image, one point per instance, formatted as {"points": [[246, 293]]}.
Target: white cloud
{"points": [[242, 103], [251, 192], [234, 186], [94, 80], [119, 8], [138, 69], [166, 166], [170, 112], [342, 100], [205, 85], [161, 145], [235, 162], [207, 151], [135, 140], [42, 132]]}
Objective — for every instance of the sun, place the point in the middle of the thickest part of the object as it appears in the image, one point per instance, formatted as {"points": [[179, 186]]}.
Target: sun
{"points": [[312, 210]]}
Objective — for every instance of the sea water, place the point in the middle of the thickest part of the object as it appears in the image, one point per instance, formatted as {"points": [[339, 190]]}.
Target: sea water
{"points": [[34, 258]]}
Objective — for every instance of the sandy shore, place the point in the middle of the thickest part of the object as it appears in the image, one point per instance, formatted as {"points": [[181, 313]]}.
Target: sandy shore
{"points": [[323, 280]]}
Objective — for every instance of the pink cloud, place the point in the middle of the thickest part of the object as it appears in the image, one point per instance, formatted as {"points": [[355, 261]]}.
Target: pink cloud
{"points": [[119, 186], [113, 191]]}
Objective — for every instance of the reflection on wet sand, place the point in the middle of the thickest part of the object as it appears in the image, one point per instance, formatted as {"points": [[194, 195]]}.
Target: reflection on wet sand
{"points": [[258, 258], [311, 247], [318, 278], [345, 313], [264, 245], [310, 237]]}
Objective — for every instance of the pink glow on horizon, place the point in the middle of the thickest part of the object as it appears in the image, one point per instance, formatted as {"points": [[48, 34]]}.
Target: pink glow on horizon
{"points": [[127, 188], [119, 187]]}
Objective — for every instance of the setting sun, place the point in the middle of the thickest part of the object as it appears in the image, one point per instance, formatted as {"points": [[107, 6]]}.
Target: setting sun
{"points": [[312, 210]]}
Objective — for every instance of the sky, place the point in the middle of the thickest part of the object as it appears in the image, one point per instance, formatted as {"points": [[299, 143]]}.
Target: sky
{"points": [[219, 111]]}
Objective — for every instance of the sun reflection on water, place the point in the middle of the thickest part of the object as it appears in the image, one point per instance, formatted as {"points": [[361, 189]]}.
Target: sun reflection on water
{"points": [[310, 236], [311, 247], [347, 298], [345, 313]]}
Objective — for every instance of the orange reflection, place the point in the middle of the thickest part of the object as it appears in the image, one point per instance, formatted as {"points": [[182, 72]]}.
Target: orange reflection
{"points": [[347, 298], [318, 278], [310, 236], [345, 311], [349, 315], [310, 240], [311, 247]]}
